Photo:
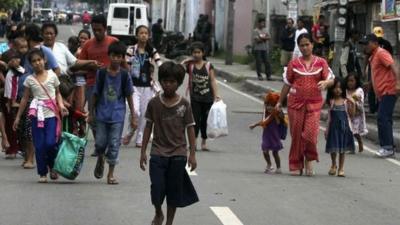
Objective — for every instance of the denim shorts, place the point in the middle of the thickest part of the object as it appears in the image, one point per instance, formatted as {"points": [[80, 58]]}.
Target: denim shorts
{"points": [[108, 140], [170, 179]]}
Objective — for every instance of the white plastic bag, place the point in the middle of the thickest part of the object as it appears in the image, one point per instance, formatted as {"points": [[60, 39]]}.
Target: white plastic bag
{"points": [[217, 124]]}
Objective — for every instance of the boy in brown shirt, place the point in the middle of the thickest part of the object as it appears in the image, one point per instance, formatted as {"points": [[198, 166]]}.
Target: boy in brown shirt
{"points": [[170, 114]]}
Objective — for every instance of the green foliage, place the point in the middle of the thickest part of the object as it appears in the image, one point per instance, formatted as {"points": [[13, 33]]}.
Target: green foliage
{"points": [[11, 4]]}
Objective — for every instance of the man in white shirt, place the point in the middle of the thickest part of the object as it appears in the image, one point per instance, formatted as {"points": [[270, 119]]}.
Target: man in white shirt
{"points": [[300, 30]]}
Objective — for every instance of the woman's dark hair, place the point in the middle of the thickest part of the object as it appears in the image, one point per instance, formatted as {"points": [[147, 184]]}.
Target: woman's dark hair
{"points": [[330, 95], [149, 47], [84, 32], [260, 20], [34, 52], [99, 19], [33, 33], [171, 70], [117, 48], [356, 77], [50, 25], [306, 36], [20, 26]]}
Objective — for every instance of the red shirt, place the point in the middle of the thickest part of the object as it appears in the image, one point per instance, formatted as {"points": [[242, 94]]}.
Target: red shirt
{"points": [[383, 78], [95, 50], [303, 81]]}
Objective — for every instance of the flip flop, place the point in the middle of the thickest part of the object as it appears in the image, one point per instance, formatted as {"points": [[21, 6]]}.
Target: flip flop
{"points": [[99, 169], [127, 139], [42, 180], [53, 175], [112, 181], [341, 174], [29, 166]]}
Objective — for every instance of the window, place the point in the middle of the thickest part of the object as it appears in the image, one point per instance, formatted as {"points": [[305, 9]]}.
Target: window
{"points": [[121, 13], [138, 13]]}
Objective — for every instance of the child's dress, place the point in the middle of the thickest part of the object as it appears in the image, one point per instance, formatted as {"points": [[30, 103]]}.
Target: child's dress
{"points": [[359, 126], [340, 136], [271, 139]]}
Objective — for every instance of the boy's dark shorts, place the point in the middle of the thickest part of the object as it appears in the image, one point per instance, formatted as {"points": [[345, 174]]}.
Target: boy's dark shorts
{"points": [[170, 179]]}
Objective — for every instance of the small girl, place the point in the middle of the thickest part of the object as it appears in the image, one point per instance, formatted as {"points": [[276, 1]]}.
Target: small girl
{"points": [[275, 129], [339, 136], [355, 94], [141, 58], [203, 89], [44, 113]]}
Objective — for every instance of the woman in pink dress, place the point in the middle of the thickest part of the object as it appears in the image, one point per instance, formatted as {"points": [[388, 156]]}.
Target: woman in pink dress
{"points": [[304, 79]]}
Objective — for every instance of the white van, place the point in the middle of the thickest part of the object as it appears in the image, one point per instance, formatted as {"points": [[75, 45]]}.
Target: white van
{"points": [[123, 18]]}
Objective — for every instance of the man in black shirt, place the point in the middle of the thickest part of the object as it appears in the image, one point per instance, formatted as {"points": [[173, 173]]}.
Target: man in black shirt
{"points": [[287, 42]]}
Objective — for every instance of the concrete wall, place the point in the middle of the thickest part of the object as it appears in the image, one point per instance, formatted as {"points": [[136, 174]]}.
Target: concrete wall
{"points": [[243, 26]]}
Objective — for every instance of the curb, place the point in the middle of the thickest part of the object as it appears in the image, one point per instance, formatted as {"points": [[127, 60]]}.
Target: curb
{"points": [[252, 86]]}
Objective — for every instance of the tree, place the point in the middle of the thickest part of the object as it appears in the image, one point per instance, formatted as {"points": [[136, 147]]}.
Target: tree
{"points": [[11, 4]]}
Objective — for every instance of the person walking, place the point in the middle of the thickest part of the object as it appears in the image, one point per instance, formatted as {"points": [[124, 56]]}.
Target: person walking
{"points": [[157, 32], [305, 79], [142, 57], [287, 42], [386, 85], [299, 31], [44, 111], [260, 48]]}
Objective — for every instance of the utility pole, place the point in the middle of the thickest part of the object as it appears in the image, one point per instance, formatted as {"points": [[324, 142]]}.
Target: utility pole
{"points": [[229, 37]]}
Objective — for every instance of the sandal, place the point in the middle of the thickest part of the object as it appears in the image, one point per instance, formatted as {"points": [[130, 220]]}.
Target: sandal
{"points": [[28, 165], [99, 169], [127, 139], [296, 173], [42, 180], [269, 170], [332, 171], [341, 173], [112, 181], [53, 175]]}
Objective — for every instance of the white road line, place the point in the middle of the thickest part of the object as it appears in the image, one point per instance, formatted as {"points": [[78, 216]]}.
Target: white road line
{"points": [[191, 173], [394, 161], [226, 216], [241, 93]]}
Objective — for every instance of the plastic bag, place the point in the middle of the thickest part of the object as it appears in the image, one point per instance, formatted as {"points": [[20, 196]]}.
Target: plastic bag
{"points": [[69, 160], [217, 125]]}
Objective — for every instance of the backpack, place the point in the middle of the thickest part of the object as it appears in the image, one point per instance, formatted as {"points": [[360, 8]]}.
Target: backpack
{"points": [[190, 72], [103, 73]]}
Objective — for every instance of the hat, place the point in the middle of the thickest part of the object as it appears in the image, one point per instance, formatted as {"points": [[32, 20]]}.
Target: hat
{"points": [[378, 31], [368, 38]]}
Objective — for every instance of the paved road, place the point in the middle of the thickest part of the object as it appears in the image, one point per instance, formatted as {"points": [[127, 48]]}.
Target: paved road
{"points": [[231, 176]]}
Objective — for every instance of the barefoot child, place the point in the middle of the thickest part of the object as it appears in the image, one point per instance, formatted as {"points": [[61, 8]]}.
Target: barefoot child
{"points": [[273, 131], [355, 94], [339, 136], [170, 115], [44, 112], [113, 88]]}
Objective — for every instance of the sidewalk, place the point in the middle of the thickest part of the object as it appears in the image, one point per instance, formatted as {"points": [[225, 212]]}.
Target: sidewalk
{"points": [[247, 79]]}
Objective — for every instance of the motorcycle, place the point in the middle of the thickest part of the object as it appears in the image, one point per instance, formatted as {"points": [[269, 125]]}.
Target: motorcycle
{"points": [[86, 26], [174, 45]]}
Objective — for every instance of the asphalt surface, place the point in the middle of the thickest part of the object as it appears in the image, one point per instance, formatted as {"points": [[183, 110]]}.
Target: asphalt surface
{"points": [[231, 175]]}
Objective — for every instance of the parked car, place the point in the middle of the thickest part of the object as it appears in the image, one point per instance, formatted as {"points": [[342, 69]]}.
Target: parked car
{"points": [[46, 15]]}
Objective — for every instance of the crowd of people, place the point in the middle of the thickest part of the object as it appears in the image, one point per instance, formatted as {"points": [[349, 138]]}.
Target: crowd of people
{"points": [[306, 60], [51, 88]]}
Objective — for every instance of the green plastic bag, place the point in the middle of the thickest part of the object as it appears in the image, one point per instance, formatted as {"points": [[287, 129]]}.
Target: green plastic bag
{"points": [[71, 153]]}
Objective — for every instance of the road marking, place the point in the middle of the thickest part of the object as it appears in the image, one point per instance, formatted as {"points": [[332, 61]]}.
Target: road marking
{"points": [[241, 93], [394, 161], [226, 216], [191, 173]]}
